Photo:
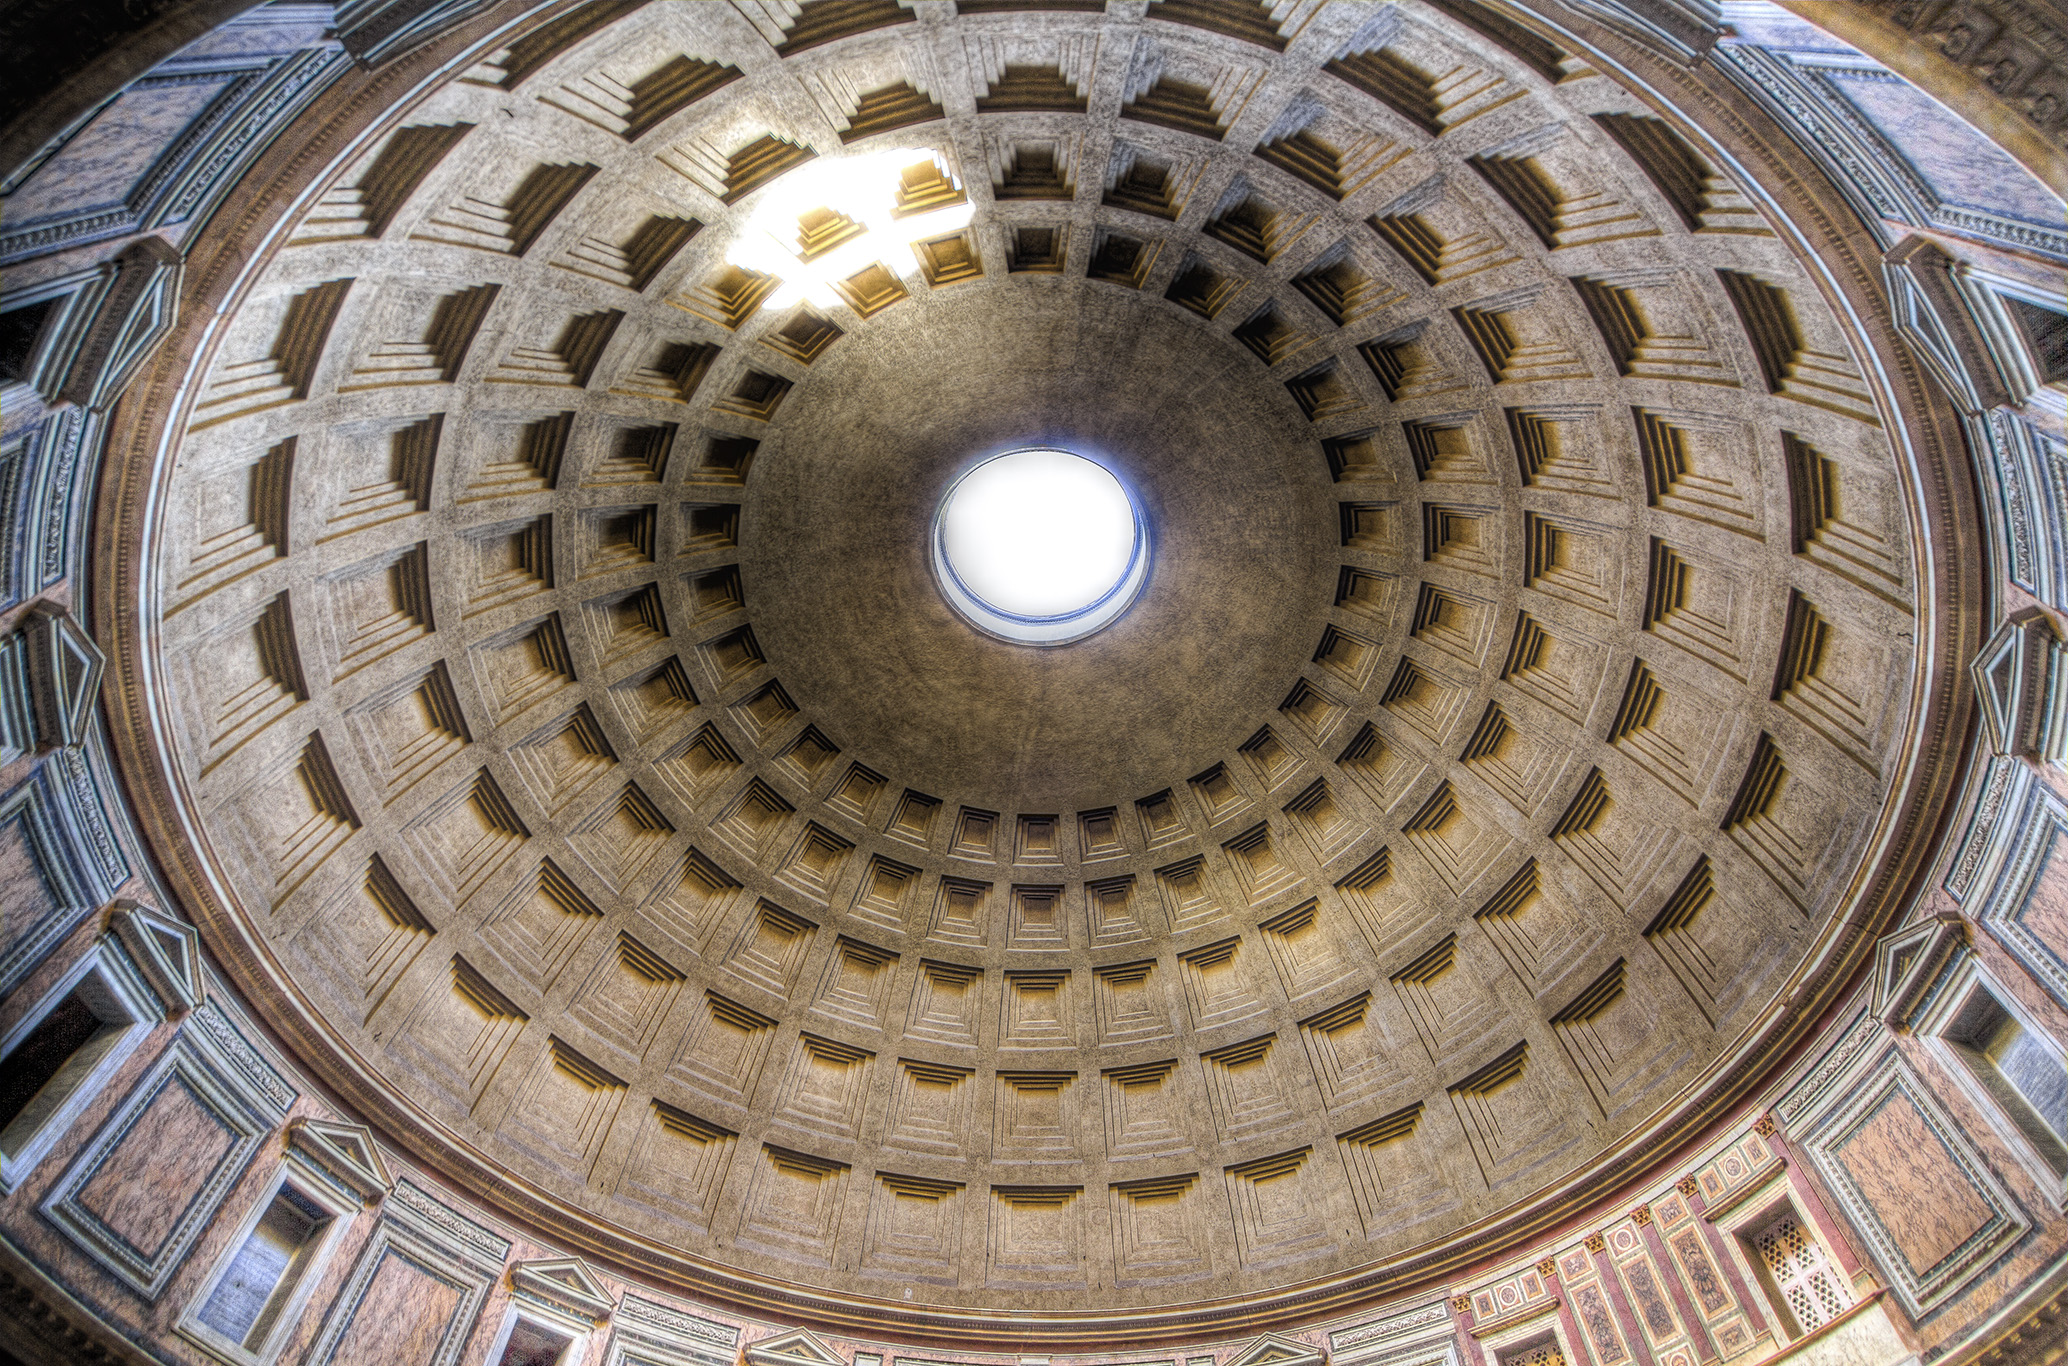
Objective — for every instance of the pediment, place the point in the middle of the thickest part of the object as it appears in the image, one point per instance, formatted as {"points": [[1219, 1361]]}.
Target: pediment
{"points": [[1908, 961], [345, 1153], [136, 315], [2015, 684], [566, 1284], [1996, 684], [68, 669], [799, 1347], [166, 951], [1273, 1350]]}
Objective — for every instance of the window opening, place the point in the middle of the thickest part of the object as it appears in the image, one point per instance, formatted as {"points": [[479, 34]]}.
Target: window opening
{"points": [[2019, 1069], [20, 329], [534, 1344], [53, 1060], [1801, 1275], [247, 1301], [35, 1063], [1544, 1352], [2047, 331]]}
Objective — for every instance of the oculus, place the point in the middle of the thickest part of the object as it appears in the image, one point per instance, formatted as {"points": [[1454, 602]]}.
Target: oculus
{"points": [[1040, 546]]}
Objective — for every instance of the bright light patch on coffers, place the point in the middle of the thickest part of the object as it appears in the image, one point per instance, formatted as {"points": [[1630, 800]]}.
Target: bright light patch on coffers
{"points": [[1040, 546], [862, 187]]}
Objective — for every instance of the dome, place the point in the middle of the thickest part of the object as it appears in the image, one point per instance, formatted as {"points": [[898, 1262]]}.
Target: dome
{"points": [[1529, 676], [551, 650]]}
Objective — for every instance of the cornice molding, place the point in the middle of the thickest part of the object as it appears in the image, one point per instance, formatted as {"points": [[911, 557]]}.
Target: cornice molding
{"points": [[1959, 70]]}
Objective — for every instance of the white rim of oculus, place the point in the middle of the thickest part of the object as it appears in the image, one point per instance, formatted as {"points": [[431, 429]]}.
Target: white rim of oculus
{"points": [[1040, 546]]}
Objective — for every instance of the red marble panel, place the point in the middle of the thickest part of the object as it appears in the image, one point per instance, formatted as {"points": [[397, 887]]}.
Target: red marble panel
{"points": [[145, 1183], [1914, 1185], [106, 159], [403, 1316], [2045, 912], [25, 898]]}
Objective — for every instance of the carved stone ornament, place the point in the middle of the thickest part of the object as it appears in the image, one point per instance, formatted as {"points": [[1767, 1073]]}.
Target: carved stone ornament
{"points": [[564, 1285], [342, 1154], [1938, 318], [2020, 688], [1907, 962], [166, 951], [134, 316], [668, 1335], [1273, 1350], [50, 677], [799, 1347]]}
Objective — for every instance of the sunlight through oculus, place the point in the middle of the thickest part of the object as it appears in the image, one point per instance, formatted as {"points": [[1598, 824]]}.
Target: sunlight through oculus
{"points": [[1040, 546]]}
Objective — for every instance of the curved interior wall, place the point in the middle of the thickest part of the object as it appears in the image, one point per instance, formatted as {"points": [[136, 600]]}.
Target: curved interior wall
{"points": [[1877, 1092]]}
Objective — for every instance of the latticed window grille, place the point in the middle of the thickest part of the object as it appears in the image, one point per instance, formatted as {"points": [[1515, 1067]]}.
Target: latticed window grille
{"points": [[1815, 1292], [1543, 1354]]}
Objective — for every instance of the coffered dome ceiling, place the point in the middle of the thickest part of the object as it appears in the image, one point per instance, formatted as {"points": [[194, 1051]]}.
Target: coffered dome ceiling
{"points": [[564, 721]]}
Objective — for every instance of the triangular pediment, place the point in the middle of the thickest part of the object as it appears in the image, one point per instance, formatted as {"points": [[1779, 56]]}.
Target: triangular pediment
{"points": [[67, 675], [1996, 685], [799, 1347], [166, 951], [136, 315], [2014, 684], [1273, 1350], [345, 1153], [566, 1284], [76, 665], [1908, 961]]}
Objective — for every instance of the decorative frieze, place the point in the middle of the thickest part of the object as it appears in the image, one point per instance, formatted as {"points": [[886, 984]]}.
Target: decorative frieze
{"points": [[1416, 1337], [645, 1332]]}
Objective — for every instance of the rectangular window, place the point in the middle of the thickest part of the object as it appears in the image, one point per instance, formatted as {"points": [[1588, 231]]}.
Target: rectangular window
{"points": [[534, 1344], [1543, 1352], [2020, 1070], [56, 1059], [21, 329], [2046, 333], [246, 1310], [266, 1269], [36, 1061], [1799, 1277]]}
